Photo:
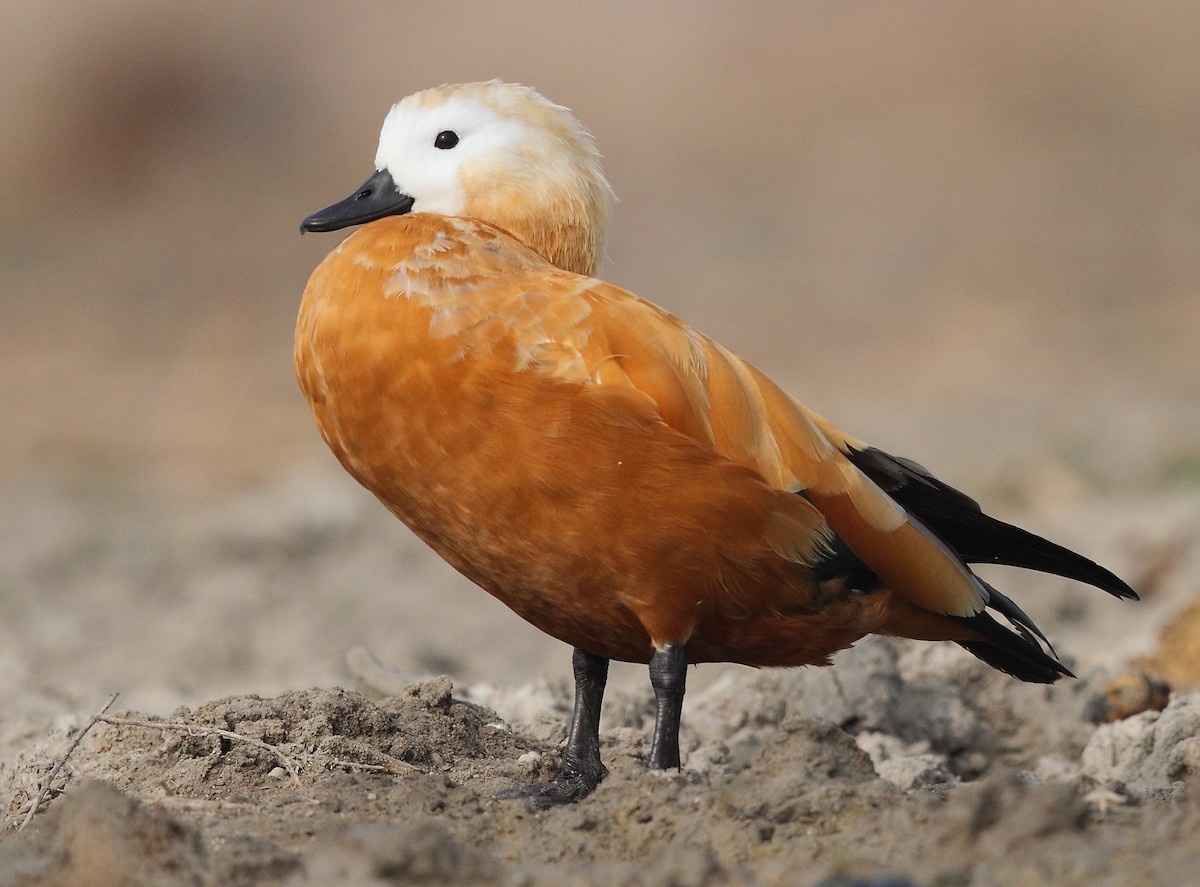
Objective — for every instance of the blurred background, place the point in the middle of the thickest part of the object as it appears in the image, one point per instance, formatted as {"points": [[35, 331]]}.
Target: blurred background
{"points": [[969, 234]]}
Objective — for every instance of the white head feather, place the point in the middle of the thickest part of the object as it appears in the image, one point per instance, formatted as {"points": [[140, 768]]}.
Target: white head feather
{"points": [[517, 161]]}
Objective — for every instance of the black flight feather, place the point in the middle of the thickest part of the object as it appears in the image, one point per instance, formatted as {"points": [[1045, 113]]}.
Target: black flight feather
{"points": [[976, 537]]}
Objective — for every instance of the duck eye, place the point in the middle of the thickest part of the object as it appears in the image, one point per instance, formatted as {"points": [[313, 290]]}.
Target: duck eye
{"points": [[445, 140]]}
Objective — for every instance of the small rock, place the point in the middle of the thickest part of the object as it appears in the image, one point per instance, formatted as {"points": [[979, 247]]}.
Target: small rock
{"points": [[915, 771]]}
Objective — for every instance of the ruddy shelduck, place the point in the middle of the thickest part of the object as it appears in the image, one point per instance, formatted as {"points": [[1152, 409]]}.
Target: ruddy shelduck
{"points": [[615, 477]]}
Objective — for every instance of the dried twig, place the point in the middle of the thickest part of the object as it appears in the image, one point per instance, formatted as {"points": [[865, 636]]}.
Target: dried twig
{"points": [[45, 784], [202, 805], [394, 766], [200, 730]]}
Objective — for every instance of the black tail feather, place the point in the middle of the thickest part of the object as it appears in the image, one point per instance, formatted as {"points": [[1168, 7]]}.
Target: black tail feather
{"points": [[1019, 655], [1020, 667], [1008, 608]]}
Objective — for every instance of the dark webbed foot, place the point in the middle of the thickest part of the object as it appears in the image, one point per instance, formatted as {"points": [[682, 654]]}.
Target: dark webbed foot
{"points": [[582, 770], [571, 785]]}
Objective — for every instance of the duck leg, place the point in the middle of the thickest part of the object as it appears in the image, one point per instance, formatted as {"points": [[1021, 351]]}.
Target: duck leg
{"points": [[668, 677], [582, 769]]}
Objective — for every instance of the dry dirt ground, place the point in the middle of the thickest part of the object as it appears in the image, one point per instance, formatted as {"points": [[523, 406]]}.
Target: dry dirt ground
{"points": [[903, 763], [968, 234]]}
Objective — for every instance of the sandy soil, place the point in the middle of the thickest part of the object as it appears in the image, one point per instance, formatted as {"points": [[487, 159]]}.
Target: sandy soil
{"points": [[903, 762], [971, 238]]}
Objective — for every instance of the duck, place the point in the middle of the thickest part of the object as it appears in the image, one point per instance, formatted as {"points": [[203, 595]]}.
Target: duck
{"points": [[615, 477]]}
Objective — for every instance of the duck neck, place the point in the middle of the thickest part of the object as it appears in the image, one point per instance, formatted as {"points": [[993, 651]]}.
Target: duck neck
{"points": [[567, 229], [571, 245]]}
